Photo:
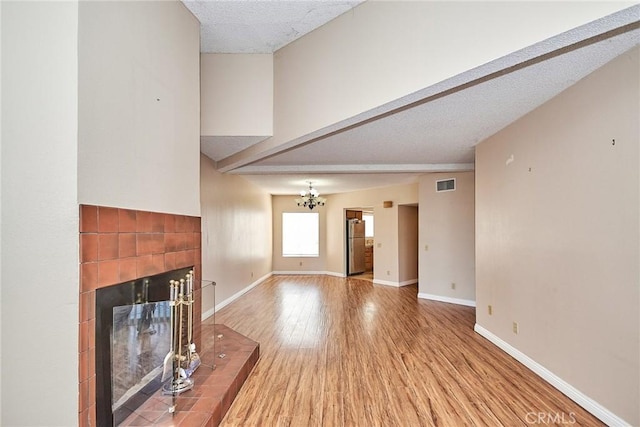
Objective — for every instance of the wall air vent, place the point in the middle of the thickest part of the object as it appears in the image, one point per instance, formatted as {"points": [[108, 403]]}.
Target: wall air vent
{"points": [[446, 185]]}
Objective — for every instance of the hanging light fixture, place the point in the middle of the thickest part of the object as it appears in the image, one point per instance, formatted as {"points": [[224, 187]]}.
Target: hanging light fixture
{"points": [[310, 198]]}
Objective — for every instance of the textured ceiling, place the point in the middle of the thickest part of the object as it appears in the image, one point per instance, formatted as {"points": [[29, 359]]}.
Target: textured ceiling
{"points": [[423, 132], [241, 26], [445, 131]]}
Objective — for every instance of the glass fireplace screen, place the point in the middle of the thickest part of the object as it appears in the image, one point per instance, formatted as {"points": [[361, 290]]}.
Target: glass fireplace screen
{"points": [[141, 339]]}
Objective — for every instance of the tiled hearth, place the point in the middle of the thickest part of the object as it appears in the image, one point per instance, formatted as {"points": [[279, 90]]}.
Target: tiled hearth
{"points": [[215, 389], [117, 245]]}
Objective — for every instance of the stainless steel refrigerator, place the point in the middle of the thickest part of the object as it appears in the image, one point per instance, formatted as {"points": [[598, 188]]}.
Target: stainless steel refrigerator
{"points": [[355, 247]]}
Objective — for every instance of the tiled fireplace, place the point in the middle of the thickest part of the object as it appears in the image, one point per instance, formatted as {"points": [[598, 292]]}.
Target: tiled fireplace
{"points": [[120, 245]]}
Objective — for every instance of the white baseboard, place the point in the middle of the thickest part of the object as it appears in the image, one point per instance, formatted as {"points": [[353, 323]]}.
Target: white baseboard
{"points": [[333, 273], [234, 297], [459, 301], [394, 284], [571, 392], [386, 283], [310, 273], [302, 272]]}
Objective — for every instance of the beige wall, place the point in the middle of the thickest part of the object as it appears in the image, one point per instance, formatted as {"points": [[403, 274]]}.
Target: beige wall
{"points": [[367, 57], [333, 229], [557, 236], [236, 94], [447, 230], [80, 102], [408, 244], [386, 228], [139, 106], [0, 219], [293, 264], [236, 234], [39, 220]]}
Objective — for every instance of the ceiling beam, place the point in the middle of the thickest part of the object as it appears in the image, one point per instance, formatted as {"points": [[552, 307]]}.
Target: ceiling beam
{"points": [[360, 168], [582, 36]]}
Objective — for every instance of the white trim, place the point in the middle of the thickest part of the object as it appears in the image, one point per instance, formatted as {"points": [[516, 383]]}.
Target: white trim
{"points": [[570, 391], [395, 284], [232, 298], [301, 272], [333, 273], [386, 283], [208, 313], [459, 301]]}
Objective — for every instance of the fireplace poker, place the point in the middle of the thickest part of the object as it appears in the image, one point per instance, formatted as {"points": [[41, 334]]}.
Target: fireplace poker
{"points": [[170, 357], [181, 298], [180, 380], [194, 358]]}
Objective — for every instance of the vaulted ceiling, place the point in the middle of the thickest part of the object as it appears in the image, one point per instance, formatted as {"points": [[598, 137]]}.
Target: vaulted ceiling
{"points": [[435, 129], [260, 26]]}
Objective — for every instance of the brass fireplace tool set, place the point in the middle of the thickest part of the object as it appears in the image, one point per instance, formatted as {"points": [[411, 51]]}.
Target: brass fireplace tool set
{"points": [[182, 359]]}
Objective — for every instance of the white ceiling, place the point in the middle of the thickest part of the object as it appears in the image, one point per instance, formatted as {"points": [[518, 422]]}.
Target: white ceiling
{"points": [[423, 132], [264, 26]]}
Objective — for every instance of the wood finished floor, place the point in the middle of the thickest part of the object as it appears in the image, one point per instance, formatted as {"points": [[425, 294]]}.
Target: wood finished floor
{"points": [[345, 352]]}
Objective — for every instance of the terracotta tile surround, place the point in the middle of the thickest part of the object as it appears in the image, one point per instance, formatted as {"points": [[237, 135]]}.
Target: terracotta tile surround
{"points": [[117, 245]]}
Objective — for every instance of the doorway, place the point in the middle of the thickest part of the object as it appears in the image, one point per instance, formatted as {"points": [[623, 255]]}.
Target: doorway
{"points": [[359, 243], [407, 244]]}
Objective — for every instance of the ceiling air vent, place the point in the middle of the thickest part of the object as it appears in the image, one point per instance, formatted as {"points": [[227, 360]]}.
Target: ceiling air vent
{"points": [[446, 185]]}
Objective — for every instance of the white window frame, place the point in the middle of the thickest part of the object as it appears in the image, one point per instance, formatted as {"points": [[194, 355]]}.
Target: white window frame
{"points": [[367, 226], [307, 230]]}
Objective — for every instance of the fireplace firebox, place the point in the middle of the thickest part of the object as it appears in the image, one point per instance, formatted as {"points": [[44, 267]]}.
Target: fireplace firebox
{"points": [[133, 337]]}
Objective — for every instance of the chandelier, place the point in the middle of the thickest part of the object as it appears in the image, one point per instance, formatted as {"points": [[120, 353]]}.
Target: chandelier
{"points": [[310, 198]]}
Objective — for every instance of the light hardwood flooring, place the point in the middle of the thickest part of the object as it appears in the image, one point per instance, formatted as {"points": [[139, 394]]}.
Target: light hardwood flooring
{"points": [[367, 275], [345, 352]]}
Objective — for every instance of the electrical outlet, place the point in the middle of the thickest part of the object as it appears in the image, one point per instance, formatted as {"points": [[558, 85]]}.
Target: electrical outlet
{"points": [[490, 309], [515, 328], [388, 273], [379, 245], [426, 247], [300, 263], [453, 285]]}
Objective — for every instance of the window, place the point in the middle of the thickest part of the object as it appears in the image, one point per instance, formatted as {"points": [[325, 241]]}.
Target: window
{"points": [[368, 225], [300, 234]]}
